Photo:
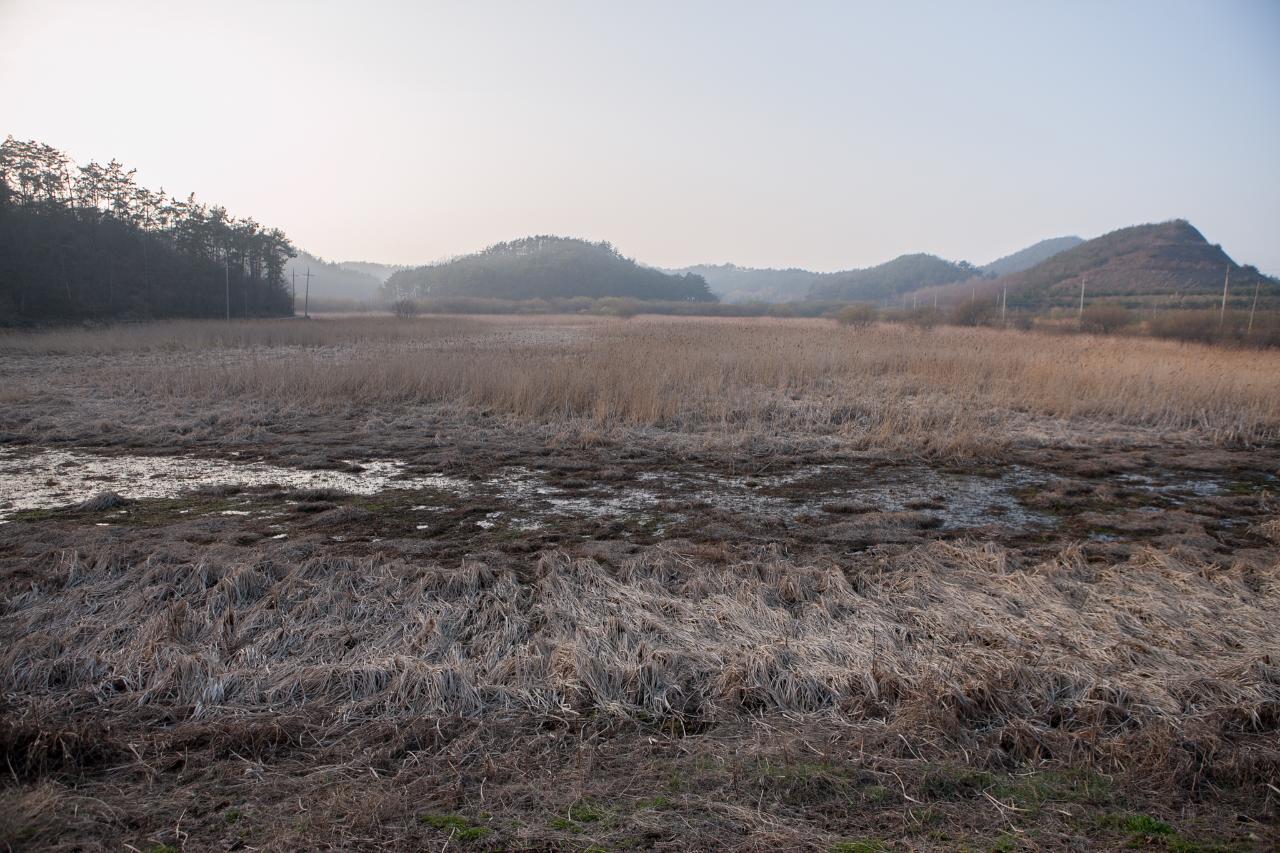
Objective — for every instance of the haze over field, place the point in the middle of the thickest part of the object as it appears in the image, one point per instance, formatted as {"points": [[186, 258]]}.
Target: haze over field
{"points": [[832, 137]]}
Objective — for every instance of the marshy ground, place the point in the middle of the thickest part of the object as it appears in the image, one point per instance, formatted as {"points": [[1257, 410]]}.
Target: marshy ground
{"points": [[573, 583]]}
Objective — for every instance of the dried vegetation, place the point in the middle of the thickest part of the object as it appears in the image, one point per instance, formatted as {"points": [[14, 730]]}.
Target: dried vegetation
{"points": [[943, 391]]}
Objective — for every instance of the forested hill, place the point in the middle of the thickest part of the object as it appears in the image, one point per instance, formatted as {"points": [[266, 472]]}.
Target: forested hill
{"points": [[86, 242], [1161, 263], [546, 267], [888, 280]]}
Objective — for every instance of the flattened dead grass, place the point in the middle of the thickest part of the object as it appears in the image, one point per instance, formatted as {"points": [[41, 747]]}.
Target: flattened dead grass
{"points": [[1055, 657]]}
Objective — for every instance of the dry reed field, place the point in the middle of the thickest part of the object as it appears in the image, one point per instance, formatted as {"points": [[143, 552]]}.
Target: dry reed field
{"points": [[946, 390], [663, 583]]}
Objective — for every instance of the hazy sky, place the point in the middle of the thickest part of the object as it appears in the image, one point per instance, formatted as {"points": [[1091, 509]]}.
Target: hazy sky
{"points": [[766, 134]]}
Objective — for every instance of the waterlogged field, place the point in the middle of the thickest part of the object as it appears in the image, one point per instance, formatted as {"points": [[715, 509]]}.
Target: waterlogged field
{"points": [[582, 583]]}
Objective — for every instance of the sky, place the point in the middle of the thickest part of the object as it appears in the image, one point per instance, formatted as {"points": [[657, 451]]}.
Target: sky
{"points": [[817, 135]]}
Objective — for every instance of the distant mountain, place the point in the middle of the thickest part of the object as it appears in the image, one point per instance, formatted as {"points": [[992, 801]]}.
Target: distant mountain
{"points": [[743, 284], [1167, 261], [874, 284], [381, 272], [544, 267], [1030, 256], [330, 280], [888, 280]]}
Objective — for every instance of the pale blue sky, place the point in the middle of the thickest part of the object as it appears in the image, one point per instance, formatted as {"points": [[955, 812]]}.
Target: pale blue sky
{"points": [[767, 134]]}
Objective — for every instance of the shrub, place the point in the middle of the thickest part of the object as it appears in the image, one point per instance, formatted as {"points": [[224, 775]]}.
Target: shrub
{"points": [[1210, 326], [858, 314], [617, 306], [1186, 325], [405, 308], [1105, 319], [974, 312], [925, 317]]}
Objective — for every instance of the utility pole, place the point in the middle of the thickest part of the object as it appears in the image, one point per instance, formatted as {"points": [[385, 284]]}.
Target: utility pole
{"points": [[295, 290], [1080, 313], [1004, 303], [1226, 283], [1254, 307], [306, 299], [226, 269]]}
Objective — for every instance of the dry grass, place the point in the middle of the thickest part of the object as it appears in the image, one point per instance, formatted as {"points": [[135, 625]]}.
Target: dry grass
{"points": [[947, 391]]}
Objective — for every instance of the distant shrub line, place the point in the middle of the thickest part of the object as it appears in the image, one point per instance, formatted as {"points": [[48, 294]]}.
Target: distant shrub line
{"points": [[610, 306], [1181, 324]]}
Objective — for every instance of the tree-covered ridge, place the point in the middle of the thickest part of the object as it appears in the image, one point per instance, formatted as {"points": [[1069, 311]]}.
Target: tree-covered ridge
{"points": [[545, 267], [900, 275], [88, 242]]}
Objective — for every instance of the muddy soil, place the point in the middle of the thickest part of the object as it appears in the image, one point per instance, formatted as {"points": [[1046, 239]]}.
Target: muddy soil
{"points": [[479, 492]]}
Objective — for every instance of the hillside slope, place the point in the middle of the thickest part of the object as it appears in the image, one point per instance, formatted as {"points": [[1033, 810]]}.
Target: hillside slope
{"points": [[545, 267], [1030, 256], [1163, 262]]}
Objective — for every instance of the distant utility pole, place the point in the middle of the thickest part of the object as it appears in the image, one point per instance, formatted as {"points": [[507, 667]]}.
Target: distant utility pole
{"points": [[306, 299], [295, 291], [1004, 303], [1254, 307], [1226, 283], [1080, 313], [226, 270]]}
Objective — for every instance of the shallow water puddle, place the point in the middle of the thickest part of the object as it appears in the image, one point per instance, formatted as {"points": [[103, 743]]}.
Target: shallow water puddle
{"points": [[52, 478]]}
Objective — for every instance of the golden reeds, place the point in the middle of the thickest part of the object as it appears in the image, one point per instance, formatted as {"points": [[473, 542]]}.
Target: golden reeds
{"points": [[887, 386]]}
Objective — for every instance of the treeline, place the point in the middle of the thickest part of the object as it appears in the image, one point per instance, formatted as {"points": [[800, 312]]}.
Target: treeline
{"points": [[1254, 328], [86, 242]]}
